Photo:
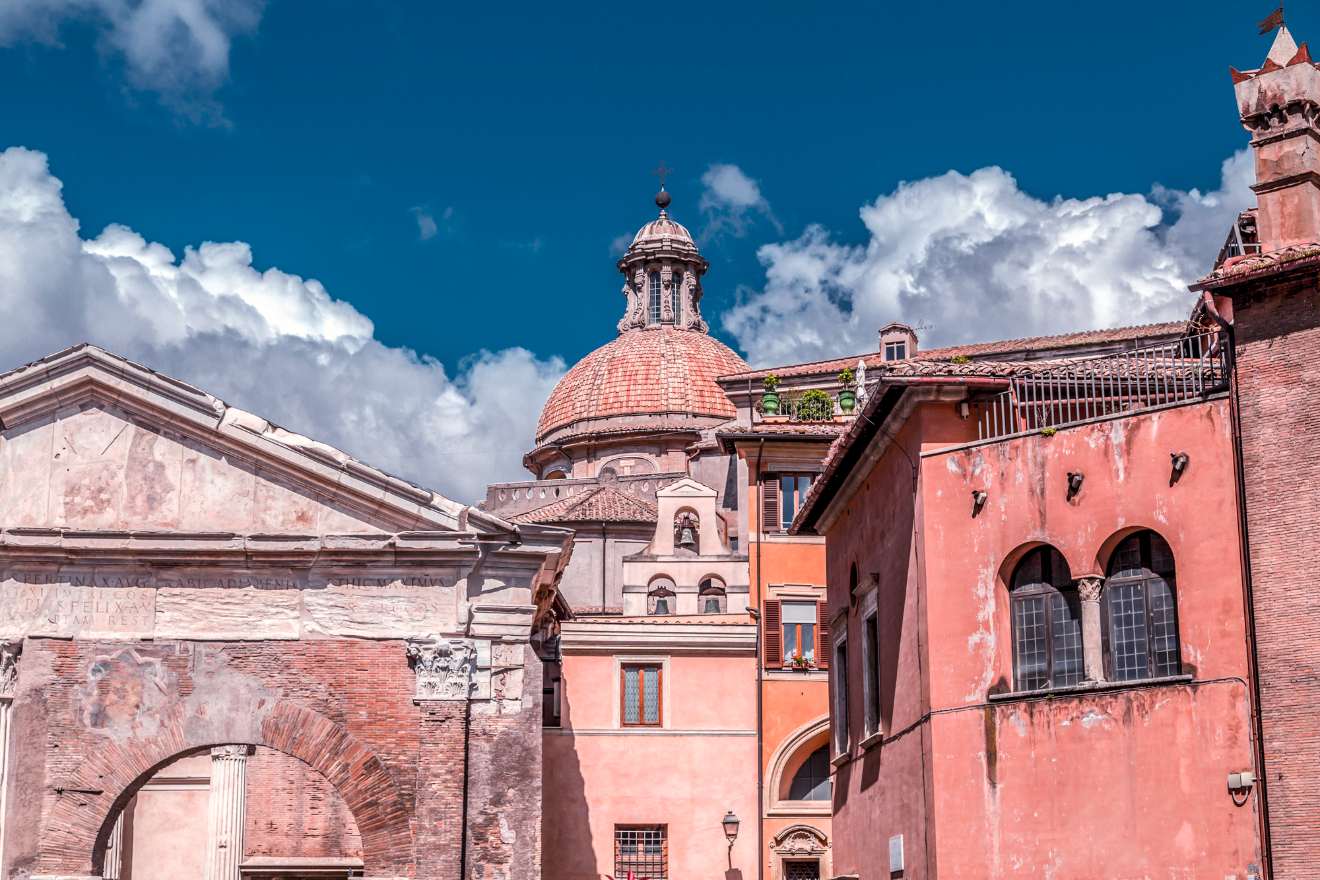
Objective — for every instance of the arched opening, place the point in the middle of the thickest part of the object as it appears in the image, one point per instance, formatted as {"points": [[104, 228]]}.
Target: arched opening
{"points": [[660, 596], [687, 531], [712, 597], [556, 474], [794, 780], [262, 811], [811, 780], [1046, 622], [1140, 610]]}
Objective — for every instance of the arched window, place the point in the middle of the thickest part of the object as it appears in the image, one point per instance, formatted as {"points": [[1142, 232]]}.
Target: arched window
{"points": [[1047, 623], [660, 597], [711, 596], [1140, 610], [676, 296], [811, 782], [655, 298]]}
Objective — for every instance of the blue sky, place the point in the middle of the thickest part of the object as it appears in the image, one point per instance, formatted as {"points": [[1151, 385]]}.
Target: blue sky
{"points": [[323, 134]]}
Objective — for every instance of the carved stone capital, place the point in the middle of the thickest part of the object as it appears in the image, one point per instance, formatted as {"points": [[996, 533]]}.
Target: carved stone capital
{"points": [[445, 668], [1090, 588], [242, 750], [9, 654]]}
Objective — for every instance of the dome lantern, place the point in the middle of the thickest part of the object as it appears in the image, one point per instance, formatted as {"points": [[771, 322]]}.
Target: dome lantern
{"points": [[662, 271]]}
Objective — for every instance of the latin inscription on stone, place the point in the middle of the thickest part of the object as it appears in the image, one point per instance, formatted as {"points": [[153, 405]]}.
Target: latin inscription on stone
{"points": [[88, 605]]}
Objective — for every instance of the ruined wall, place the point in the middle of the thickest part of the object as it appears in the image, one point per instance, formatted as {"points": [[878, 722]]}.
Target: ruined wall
{"points": [[294, 811], [1277, 374]]}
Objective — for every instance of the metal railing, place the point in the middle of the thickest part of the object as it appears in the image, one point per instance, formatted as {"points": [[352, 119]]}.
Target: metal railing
{"points": [[1126, 382]]}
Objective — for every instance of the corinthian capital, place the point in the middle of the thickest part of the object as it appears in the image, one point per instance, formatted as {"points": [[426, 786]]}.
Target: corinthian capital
{"points": [[9, 653], [1090, 588]]}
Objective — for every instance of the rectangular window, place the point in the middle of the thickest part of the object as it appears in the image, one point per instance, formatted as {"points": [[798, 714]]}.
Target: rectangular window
{"points": [[1030, 657], [840, 713], [871, 672], [640, 700], [792, 492], [551, 692], [895, 351], [641, 851], [799, 622]]}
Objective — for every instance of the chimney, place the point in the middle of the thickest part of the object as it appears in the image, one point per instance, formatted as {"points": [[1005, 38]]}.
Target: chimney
{"points": [[1280, 105], [898, 342]]}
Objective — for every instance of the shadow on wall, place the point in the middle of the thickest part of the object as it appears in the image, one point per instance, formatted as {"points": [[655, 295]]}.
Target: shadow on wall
{"points": [[567, 851]]}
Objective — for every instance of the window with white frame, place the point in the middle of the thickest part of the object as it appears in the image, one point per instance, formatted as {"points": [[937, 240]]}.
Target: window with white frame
{"points": [[871, 670], [839, 683], [799, 624], [655, 298]]}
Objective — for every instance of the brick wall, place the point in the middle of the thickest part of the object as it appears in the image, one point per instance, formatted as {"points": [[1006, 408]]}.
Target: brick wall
{"points": [[1278, 373], [294, 811]]}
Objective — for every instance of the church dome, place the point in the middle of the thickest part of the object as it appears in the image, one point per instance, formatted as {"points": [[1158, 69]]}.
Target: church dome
{"points": [[652, 378], [663, 228]]}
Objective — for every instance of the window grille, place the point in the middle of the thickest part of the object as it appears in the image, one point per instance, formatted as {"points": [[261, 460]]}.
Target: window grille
{"points": [[1047, 623], [802, 870], [642, 850], [1140, 606]]}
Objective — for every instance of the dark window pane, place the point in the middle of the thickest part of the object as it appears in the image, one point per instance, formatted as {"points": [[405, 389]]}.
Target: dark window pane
{"points": [[1127, 628], [631, 703], [1029, 643], [1163, 628], [651, 696], [812, 780], [1066, 662]]}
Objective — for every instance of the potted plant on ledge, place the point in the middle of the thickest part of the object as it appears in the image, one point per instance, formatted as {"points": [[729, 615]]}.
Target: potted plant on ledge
{"points": [[847, 390], [769, 399], [815, 406], [799, 662]]}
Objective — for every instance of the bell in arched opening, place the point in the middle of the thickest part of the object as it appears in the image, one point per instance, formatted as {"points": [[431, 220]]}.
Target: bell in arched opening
{"points": [[685, 532]]}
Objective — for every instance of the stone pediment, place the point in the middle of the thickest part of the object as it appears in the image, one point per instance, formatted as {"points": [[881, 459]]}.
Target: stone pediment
{"points": [[686, 488], [91, 441]]}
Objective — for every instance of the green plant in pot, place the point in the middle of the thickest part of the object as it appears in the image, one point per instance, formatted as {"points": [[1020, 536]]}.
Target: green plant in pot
{"points": [[769, 397], [815, 406], [847, 390]]}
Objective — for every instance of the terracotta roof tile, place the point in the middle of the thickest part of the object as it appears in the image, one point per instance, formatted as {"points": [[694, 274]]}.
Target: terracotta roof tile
{"points": [[1000, 348], [651, 371], [606, 504]]}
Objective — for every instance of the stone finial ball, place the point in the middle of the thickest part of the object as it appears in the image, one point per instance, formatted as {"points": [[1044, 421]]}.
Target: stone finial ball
{"points": [[662, 199]]}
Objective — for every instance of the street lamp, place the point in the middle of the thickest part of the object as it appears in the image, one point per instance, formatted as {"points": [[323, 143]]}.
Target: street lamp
{"points": [[730, 823]]}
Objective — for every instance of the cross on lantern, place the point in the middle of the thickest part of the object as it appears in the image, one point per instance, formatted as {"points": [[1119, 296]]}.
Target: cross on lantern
{"points": [[662, 172]]}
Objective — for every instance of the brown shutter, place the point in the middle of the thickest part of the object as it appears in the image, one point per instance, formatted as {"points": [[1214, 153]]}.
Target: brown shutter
{"points": [[823, 645], [772, 632], [771, 512]]}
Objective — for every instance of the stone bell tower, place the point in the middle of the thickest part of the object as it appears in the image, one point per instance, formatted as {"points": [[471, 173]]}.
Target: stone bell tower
{"points": [[1280, 105]]}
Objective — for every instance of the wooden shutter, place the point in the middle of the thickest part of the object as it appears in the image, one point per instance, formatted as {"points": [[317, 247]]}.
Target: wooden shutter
{"points": [[823, 646], [772, 634], [771, 512]]}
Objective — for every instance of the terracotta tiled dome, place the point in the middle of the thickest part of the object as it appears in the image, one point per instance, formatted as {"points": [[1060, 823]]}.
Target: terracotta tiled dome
{"points": [[662, 228], [656, 372]]}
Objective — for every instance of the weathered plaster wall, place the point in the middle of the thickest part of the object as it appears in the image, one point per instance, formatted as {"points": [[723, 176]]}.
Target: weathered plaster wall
{"points": [[685, 775], [1143, 771]]}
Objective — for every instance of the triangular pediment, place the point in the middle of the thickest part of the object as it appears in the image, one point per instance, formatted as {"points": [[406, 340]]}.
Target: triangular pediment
{"points": [[686, 488], [89, 440]]}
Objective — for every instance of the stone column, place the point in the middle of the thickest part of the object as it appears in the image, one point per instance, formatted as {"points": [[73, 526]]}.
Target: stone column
{"points": [[9, 652], [114, 851], [226, 812], [1089, 589]]}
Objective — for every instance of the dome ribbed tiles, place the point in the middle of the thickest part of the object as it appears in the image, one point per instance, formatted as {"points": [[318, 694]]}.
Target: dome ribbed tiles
{"points": [[652, 371]]}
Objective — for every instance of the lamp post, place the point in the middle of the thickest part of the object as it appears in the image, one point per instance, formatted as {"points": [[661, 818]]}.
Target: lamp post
{"points": [[730, 823]]}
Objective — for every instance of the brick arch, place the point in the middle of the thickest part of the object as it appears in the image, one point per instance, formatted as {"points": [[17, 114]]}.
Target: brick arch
{"points": [[82, 817]]}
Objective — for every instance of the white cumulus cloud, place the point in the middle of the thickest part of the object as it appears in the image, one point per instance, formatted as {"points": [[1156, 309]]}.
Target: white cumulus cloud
{"points": [[178, 48], [972, 257], [729, 201], [266, 340]]}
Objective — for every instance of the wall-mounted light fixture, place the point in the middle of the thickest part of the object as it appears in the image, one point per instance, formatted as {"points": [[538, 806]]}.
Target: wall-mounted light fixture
{"points": [[1074, 483], [964, 409], [730, 823], [1180, 460], [978, 500]]}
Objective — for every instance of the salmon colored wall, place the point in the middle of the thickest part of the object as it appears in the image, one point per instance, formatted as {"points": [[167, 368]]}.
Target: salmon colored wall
{"points": [[686, 775], [1131, 779]]}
